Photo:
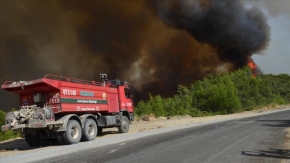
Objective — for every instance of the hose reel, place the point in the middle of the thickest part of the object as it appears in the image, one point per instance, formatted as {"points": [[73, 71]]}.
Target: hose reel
{"points": [[43, 114], [11, 117]]}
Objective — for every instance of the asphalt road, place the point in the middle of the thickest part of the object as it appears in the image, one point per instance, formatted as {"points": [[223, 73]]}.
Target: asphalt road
{"points": [[254, 139]]}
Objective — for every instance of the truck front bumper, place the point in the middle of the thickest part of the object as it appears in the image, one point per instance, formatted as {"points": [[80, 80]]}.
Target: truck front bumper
{"points": [[30, 125], [5, 127]]}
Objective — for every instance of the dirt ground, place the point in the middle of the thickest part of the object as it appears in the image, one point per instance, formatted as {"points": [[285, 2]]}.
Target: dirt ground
{"points": [[19, 146]]}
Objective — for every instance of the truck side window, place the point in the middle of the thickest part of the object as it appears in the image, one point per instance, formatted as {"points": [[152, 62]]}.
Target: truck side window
{"points": [[127, 92]]}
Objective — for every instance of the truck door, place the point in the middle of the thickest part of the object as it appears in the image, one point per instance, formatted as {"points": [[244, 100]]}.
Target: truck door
{"points": [[125, 98]]}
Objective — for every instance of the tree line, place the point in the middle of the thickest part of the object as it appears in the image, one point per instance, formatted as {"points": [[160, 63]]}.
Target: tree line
{"points": [[221, 94]]}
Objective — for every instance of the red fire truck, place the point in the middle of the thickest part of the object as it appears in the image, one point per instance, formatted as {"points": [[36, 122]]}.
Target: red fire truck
{"points": [[69, 109]]}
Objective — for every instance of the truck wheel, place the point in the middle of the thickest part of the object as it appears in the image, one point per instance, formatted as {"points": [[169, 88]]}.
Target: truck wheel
{"points": [[73, 132], [34, 140], [38, 141], [42, 142], [29, 140], [124, 126], [90, 130], [59, 138]]}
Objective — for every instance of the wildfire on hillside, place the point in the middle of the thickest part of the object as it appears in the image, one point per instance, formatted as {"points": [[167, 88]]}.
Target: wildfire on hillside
{"points": [[155, 46], [254, 68]]}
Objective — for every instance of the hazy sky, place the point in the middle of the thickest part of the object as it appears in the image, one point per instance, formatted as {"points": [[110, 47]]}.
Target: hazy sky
{"points": [[277, 7], [276, 58]]}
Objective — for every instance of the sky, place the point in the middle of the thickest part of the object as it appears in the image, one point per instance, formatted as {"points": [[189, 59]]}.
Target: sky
{"points": [[275, 59]]}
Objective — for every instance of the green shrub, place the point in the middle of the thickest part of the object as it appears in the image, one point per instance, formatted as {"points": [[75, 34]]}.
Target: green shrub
{"points": [[2, 118], [221, 94], [7, 134], [216, 95]]}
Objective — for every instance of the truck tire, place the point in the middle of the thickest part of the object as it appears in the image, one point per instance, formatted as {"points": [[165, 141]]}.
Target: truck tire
{"points": [[41, 142], [90, 130], [73, 132], [29, 140], [34, 140], [38, 140], [59, 138], [124, 128]]}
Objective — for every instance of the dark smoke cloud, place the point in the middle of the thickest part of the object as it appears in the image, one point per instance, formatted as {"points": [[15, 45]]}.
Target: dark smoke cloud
{"points": [[236, 33], [129, 40]]}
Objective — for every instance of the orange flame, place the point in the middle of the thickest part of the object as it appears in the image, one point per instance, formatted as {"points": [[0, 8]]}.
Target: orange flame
{"points": [[253, 67]]}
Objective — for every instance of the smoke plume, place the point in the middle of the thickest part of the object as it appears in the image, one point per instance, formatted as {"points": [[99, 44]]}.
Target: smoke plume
{"points": [[235, 33], [154, 45]]}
